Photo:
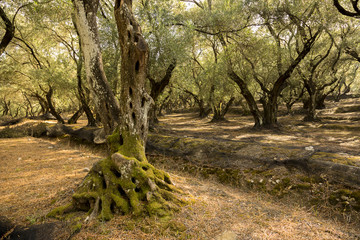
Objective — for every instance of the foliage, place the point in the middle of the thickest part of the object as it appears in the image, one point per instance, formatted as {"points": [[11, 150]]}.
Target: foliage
{"points": [[262, 39]]}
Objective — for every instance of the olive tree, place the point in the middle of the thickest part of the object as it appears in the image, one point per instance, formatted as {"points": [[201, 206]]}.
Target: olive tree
{"points": [[125, 181]]}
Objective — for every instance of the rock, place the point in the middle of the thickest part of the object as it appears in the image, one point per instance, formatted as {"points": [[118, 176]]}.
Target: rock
{"points": [[227, 235], [99, 136], [310, 148]]}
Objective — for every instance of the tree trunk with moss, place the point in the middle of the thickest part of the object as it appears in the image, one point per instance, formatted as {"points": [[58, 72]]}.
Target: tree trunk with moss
{"points": [[124, 182]]}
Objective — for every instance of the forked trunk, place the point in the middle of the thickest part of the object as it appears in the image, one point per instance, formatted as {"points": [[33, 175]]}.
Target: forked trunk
{"points": [[125, 181], [75, 117], [254, 110], [220, 111]]}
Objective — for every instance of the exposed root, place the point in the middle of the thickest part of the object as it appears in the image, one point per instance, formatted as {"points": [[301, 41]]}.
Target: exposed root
{"points": [[122, 185]]}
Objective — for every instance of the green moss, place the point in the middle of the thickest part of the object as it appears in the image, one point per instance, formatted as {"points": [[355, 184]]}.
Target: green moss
{"points": [[121, 203], [75, 228], [154, 207], [106, 213], [129, 145], [228, 176], [114, 141], [279, 188], [336, 158], [134, 202], [32, 219], [304, 178], [127, 182], [346, 198], [302, 186], [177, 226], [60, 210], [86, 195], [8, 132]]}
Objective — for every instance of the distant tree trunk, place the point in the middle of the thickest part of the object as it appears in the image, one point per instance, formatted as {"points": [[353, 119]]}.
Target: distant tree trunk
{"points": [[43, 103], [204, 111], [250, 100], [165, 101], [17, 112], [29, 107], [342, 92], [124, 182], [294, 97], [320, 101], [220, 111], [52, 110], [271, 105], [157, 87], [85, 102], [270, 98], [311, 102], [75, 117], [6, 107]]}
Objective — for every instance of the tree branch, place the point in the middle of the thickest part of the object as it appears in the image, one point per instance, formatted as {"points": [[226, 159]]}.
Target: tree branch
{"points": [[10, 31], [345, 12]]}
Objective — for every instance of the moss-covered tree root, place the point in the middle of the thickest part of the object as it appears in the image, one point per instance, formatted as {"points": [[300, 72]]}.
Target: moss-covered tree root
{"points": [[122, 185]]}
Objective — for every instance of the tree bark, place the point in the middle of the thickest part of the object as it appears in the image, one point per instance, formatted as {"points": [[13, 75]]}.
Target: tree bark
{"points": [[75, 117], [125, 181], [204, 111], [250, 100], [270, 106], [311, 107], [52, 107], [220, 111], [106, 103], [43, 103], [343, 11], [82, 96]]}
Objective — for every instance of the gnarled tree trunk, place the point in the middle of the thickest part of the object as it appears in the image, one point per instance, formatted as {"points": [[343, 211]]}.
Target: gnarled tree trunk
{"points": [[125, 181]]}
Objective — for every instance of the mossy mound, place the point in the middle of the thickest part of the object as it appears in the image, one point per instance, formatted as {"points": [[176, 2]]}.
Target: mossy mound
{"points": [[337, 158], [346, 199], [27, 129], [125, 185]]}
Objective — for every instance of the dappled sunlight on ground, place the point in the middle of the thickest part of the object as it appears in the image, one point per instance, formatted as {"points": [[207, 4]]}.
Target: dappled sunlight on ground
{"points": [[33, 172], [39, 174]]}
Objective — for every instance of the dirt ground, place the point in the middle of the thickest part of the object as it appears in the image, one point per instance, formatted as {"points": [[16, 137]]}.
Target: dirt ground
{"points": [[39, 174], [336, 132]]}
